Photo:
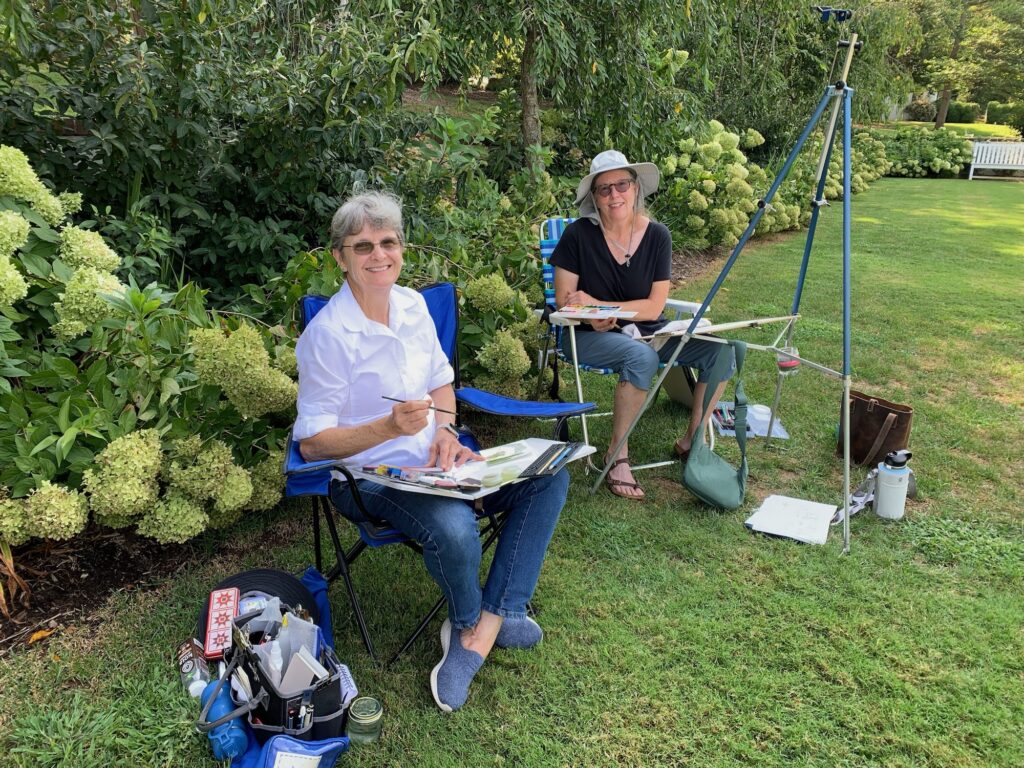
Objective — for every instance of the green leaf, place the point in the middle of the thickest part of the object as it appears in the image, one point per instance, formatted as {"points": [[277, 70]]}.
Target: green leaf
{"points": [[17, 414], [64, 367], [44, 379], [46, 234], [63, 415], [25, 464], [11, 371], [35, 265], [168, 388], [120, 103], [80, 456], [65, 443], [43, 444], [128, 419], [61, 270]]}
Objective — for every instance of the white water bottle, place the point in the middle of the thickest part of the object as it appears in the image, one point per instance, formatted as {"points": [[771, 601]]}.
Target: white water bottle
{"points": [[891, 485]]}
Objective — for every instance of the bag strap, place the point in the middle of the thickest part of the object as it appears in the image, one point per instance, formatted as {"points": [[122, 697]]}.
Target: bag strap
{"points": [[883, 432], [203, 725], [740, 398]]}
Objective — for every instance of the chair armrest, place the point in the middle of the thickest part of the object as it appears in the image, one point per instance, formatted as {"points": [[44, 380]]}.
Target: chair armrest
{"points": [[311, 466], [679, 306]]}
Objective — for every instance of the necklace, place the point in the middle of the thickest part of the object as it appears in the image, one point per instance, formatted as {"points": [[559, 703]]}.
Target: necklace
{"points": [[625, 248]]}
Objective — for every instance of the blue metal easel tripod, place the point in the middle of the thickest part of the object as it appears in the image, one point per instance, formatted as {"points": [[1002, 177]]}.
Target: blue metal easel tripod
{"points": [[841, 96]]}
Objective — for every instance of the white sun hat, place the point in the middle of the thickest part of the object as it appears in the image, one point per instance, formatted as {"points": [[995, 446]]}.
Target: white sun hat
{"points": [[612, 160]]}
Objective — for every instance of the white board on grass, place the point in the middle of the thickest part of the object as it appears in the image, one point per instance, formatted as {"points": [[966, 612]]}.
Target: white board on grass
{"points": [[806, 521]]}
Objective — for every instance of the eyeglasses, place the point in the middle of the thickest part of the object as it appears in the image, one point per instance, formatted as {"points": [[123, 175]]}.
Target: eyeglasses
{"points": [[620, 186], [365, 247]]}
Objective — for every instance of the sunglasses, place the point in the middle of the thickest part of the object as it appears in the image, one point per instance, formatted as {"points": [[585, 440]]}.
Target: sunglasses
{"points": [[620, 186], [365, 247]]}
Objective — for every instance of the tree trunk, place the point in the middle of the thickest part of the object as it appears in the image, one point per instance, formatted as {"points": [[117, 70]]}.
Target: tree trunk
{"points": [[946, 93], [529, 102], [943, 108]]}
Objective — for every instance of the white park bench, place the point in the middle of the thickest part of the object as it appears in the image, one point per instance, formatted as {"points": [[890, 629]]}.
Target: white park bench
{"points": [[997, 155]]}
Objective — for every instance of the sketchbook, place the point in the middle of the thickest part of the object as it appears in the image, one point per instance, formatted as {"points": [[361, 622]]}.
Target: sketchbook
{"points": [[591, 312], [806, 521], [501, 466]]}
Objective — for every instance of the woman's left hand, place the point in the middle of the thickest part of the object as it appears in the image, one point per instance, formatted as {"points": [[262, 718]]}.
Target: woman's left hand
{"points": [[446, 451]]}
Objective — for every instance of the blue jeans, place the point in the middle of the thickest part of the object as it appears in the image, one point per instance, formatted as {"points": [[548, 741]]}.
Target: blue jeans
{"points": [[447, 530], [637, 362]]}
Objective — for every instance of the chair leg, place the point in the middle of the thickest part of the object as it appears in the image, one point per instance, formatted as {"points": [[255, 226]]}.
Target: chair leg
{"points": [[341, 568], [364, 632], [316, 534], [542, 363], [495, 524], [561, 431], [419, 630]]}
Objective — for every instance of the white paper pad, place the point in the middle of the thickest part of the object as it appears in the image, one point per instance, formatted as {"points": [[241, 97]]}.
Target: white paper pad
{"points": [[757, 426], [591, 312], [806, 521]]}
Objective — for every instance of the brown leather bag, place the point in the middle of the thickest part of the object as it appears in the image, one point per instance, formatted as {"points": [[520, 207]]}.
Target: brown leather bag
{"points": [[877, 426]]}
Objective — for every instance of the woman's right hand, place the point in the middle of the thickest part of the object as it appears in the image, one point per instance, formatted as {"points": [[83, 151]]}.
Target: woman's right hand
{"points": [[410, 417], [582, 297]]}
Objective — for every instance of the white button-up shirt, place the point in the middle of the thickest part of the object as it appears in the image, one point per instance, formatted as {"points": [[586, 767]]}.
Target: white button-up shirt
{"points": [[347, 362]]}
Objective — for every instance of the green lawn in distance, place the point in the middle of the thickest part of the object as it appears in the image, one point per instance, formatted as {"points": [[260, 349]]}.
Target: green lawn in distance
{"points": [[674, 636], [981, 130]]}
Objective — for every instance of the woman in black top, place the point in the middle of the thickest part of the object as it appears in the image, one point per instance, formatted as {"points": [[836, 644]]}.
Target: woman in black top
{"points": [[616, 254]]}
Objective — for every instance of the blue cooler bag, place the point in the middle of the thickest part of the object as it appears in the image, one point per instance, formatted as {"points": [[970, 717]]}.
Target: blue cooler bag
{"points": [[284, 751]]}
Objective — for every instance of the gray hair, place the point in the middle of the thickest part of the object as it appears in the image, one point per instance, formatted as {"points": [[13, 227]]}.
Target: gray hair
{"points": [[381, 210]]}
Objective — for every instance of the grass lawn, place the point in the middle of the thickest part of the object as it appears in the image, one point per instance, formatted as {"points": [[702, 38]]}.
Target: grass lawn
{"points": [[673, 635], [981, 130]]}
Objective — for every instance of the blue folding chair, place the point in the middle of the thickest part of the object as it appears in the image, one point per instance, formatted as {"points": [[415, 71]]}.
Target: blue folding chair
{"points": [[313, 479], [678, 384]]}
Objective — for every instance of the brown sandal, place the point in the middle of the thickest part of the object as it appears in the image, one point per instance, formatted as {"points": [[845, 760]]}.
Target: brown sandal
{"points": [[682, 453], [614, 485]]}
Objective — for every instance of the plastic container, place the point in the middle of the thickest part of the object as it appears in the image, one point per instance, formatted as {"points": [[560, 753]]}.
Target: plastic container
{"points": [[891, 485], [787, 360], [365, 717]]}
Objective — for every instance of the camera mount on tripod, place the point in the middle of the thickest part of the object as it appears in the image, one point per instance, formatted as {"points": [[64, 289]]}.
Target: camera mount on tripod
{"points": [[841, 15]]}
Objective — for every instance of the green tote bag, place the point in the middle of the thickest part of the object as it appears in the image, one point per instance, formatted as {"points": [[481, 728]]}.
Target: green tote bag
{"points": [[707, 475]]}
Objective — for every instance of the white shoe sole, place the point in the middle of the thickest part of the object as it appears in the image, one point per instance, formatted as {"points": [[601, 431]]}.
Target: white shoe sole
{"points": [[446, 634]]}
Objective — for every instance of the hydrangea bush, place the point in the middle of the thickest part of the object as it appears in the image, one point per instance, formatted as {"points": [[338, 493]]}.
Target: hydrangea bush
{"points": [[708, 186], [925, 152], [792, 206], [126, 405]]}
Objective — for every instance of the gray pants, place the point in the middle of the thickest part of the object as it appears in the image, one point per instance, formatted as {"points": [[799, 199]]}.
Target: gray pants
{"points": [[637, 362]]}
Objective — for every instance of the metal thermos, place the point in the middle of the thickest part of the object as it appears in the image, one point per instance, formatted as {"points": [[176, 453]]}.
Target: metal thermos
{"points": [[891, 485]]}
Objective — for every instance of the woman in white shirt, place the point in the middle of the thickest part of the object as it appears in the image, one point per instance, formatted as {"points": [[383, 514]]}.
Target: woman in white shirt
{"points": [[375, 340]]}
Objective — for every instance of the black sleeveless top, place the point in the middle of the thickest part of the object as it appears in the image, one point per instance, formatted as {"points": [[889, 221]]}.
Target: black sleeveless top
{"points": [[583, 251]]}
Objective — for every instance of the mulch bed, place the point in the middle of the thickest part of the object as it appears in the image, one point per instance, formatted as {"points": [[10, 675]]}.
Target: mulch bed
{"points": [[70, 579], [688, 265]]}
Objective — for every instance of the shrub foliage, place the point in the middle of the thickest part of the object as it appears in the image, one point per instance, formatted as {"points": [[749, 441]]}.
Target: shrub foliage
{"points": [[111, 405]]}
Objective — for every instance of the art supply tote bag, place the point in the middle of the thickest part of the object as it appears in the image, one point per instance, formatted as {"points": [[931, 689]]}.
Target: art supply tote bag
{"points": [[707, 475]]}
